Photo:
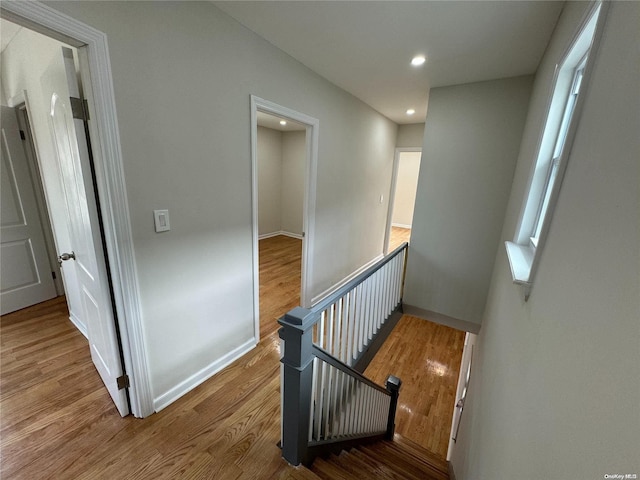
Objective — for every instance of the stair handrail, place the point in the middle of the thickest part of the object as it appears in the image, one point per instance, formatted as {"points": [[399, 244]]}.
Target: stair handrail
{"points": [[358, 279], [299, 354], [353, 321]]}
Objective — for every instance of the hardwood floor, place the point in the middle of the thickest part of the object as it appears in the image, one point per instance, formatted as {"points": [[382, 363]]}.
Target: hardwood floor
{"points": [[426, 357], [398, 237], [280, 266], [57, 419]]}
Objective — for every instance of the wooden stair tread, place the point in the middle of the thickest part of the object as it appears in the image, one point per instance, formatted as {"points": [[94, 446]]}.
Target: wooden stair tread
{"points": [[421, 451], [358, 463], [327, 470], [298, 473], [417, 457], [383, 460], [407, 464]]}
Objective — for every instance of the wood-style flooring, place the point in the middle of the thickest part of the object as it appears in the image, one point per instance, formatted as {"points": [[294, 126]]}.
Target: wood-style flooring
{"points": [[280, 266], [426, 357], [57, 419], [398, 237]]}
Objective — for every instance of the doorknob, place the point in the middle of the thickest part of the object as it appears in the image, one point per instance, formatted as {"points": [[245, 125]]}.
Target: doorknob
{"points": [[66, 256]]}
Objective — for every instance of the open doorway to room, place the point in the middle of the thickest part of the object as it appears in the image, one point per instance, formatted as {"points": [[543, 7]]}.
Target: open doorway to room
{"points": [[284, 151], [41, 89], [281, 170], [404, 186]]}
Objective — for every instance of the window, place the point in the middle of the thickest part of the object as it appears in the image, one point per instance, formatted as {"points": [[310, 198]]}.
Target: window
{"points": [[552, 170], [553, 150]]}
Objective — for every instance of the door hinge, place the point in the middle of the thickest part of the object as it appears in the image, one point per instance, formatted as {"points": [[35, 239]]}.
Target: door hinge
{"points": [[53, 274], [123, 382], [22, 135], [79, 108]]}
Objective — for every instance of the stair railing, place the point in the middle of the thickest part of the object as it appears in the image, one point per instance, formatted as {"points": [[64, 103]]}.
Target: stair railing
{"points": [[327, 404], [353, 316]]}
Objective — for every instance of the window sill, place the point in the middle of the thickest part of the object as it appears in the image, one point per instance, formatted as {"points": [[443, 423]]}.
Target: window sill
{"points": [[520, 261]]}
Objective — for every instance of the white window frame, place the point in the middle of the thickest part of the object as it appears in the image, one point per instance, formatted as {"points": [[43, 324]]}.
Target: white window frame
{"points": [[570, 83]]}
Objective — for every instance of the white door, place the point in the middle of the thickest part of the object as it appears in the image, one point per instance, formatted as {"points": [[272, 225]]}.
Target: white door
{"points": [[85, 254], [25, 275]]}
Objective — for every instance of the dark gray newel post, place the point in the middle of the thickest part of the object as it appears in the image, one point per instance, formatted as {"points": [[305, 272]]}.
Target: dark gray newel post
{"points": [[297, 359], [393, 387]]}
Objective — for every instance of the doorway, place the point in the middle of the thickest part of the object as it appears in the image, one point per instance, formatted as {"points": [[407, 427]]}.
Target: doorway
{"points": [[284, 145], [281, 169], [48, 85], [108, 181], [404, 186]]}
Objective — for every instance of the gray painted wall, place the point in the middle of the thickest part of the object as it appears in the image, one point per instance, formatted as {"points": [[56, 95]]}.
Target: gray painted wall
{"points": [[281, 178], [555, 387], [293, 178], [183, 74], [410, 135], [471, 144], [269, 146]]}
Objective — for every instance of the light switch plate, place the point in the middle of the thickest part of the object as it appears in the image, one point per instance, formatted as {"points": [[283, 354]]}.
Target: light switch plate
{"points": [[161, 220]]}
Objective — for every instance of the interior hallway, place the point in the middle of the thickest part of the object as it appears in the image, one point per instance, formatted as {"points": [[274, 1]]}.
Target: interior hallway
{"points": [[57, 419]]}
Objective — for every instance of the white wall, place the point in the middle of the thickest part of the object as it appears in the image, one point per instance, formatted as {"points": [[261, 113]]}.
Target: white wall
{"points": [[471, 143], [269, 146], [555, 387], [24, 61], [183, 74], [406, 188], [293, 180], [410, 135]]}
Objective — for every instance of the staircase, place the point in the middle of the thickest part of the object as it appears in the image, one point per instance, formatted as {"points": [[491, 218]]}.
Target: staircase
{"points": [[400, 459], [335, 420]]}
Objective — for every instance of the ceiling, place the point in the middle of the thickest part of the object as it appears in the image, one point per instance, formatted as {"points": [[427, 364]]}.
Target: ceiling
{"points": [[365, 47], [271, 121]]}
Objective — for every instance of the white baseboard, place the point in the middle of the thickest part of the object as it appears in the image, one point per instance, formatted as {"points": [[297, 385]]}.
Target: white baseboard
{"points": [[281, 232], [401, 225], [79, 325], [345, 280], [207, 372]]}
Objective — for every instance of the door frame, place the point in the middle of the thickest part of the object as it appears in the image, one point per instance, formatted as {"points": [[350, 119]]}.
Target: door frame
{"points": [[392, 192], [96, 74], [312, 126]]}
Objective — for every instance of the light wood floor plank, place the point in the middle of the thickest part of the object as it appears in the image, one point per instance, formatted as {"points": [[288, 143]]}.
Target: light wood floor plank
{"points": [[426, 356], [58, 421]]}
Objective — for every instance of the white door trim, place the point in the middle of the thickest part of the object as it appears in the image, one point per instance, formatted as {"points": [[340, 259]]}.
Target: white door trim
{"points": [[392, 192], [309, 209], [94, 53]]}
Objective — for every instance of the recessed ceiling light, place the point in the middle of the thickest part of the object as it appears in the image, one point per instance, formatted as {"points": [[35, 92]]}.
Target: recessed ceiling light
{"points": [[418, 60], [283, 123], [411, 111]]}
